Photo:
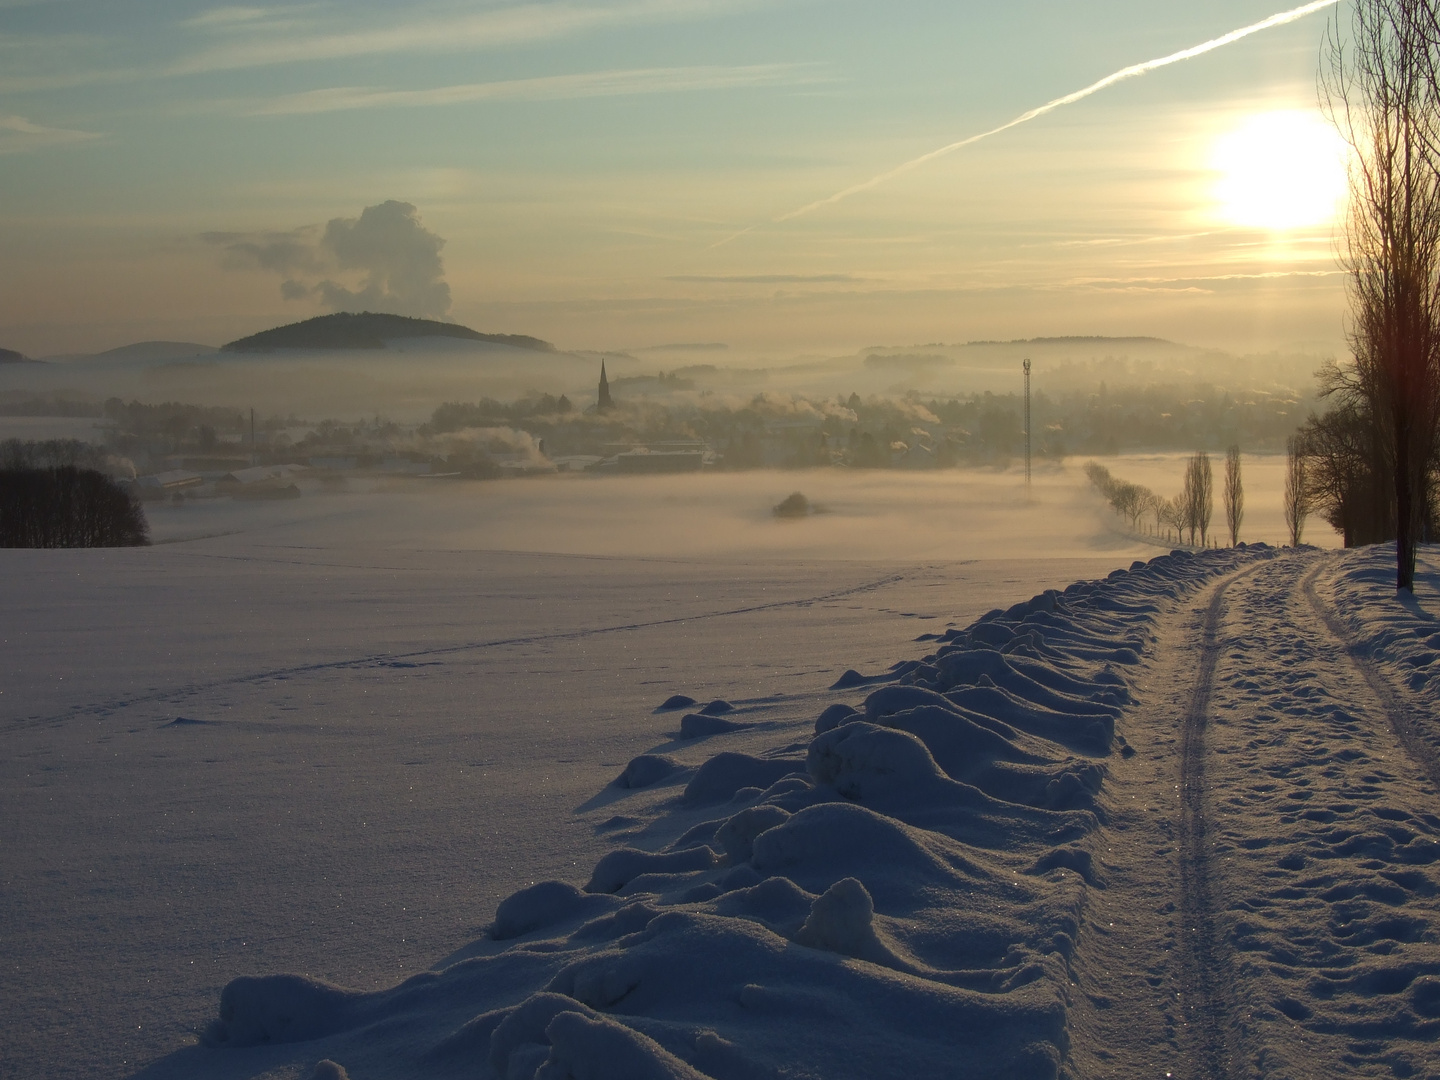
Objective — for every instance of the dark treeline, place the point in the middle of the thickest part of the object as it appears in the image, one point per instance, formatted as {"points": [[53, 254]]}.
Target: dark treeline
{"points": [[1349, 464], [487, 412], [1163, 417], [172, 422], [51, 454], [64, 507], [59, 403]]}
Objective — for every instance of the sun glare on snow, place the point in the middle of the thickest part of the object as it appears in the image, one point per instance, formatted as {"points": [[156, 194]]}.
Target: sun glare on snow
{"points": [[1280, 170]]}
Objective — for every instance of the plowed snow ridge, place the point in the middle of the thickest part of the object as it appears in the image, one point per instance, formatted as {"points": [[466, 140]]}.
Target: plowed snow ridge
{"points": [[976, 864]]}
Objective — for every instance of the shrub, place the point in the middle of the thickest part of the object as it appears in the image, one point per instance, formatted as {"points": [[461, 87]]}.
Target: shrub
{"points": [[793, 506]]}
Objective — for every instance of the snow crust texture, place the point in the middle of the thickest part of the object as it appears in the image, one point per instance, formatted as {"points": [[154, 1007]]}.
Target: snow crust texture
{"points": [[899, 894], [1325, 833]]}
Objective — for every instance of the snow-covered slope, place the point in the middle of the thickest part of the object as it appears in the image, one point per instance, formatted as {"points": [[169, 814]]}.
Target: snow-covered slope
{"points": [[898, 894], [1180, 819], [330, 736]]}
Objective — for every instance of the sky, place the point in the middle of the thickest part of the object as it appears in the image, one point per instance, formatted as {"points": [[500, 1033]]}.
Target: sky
{"points": [[615, 174]]}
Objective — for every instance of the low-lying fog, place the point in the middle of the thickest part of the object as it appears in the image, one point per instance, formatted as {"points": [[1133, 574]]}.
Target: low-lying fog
{"points": [[869, 515], [405, 381]]}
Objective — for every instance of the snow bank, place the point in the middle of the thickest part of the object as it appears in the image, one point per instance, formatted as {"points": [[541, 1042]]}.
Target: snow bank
{"points": [[1394, 639], [898, 895]]}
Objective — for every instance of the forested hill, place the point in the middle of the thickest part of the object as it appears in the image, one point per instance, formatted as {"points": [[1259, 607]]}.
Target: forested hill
{"points": [[369, 330]]}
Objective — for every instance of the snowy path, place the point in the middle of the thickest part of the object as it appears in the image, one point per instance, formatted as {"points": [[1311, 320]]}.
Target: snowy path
{"points": [[1269, 911]]}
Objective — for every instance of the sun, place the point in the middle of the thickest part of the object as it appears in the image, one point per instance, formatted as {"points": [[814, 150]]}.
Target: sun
{"points": [[1279, 171]]}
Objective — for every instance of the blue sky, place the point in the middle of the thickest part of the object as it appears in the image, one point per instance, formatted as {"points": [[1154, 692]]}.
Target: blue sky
{"points": [[581, 161]]}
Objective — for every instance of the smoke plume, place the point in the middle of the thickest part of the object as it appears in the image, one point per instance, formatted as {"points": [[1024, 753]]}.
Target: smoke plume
{"points": [[384, 260]]}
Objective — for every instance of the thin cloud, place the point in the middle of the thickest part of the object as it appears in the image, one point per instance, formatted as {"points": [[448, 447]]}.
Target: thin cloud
{"points": [[1133, 71], [226, 17], [766, 279], [252, 37], [545, 88], [489, 29], [1130, 241], [18, 135], [1090, 282]]}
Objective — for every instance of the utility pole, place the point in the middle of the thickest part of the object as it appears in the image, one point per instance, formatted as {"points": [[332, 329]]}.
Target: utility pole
{"points": [[1027, 429]]}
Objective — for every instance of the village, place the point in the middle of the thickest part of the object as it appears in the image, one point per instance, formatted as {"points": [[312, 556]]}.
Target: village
{"points": [[658, 424]]}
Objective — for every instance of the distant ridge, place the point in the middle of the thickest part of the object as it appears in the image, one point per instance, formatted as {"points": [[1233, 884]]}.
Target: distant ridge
{"points": [[1082, 339], [10, 356], [369, 330], [157, 350]]}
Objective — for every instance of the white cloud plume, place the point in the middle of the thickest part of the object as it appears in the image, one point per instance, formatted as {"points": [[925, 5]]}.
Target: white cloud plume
{"points": [[389, 259]]}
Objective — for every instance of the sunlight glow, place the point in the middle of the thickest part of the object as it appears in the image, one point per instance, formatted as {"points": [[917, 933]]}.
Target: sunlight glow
{"points": [[1279, 171]]}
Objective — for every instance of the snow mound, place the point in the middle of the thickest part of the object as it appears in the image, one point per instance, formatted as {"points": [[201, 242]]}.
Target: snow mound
{"points": [[903, 899], [699, 725], [645, 770]]}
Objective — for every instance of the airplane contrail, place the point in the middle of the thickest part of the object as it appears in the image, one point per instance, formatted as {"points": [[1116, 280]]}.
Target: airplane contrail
{"points": [[1040, 110]]}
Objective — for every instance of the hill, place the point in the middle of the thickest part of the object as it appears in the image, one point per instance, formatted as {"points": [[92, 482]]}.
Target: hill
{"points": [[157, 350], [10, 356], [1088, 339], [369, 330]]}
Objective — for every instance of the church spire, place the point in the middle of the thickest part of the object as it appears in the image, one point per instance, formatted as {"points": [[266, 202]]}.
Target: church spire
{"points": [[605, 404]]}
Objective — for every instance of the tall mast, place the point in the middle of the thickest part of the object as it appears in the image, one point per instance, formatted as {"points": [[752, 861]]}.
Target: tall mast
{"points": [[1027, 428]]}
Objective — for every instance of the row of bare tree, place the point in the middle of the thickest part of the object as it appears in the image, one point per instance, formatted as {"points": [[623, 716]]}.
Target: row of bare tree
{"points": [[1369, 465], [1188, 512]]}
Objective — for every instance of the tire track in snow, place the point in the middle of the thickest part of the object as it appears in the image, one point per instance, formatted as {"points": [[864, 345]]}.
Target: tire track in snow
{"points": [[1202, 960], [1390, 703], [1321, 847], [414, 657]]}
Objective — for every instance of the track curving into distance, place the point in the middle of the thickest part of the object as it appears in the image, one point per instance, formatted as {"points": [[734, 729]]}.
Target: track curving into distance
{"points": [[1202, 959]]}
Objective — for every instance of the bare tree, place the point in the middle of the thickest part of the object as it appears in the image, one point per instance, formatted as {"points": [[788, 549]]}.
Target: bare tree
{"points": [[1164, 510], [1297, 494], [1196, 501], [1204, 494], [1186, 503], [1383, 92], [1171, 514], [1234, 494]]}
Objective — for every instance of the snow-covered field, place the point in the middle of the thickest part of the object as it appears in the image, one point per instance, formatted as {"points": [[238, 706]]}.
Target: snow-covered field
{"points": [[333, 736]]}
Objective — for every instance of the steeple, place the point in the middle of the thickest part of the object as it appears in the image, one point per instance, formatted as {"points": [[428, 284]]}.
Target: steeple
{"points": [[605, 404]]}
